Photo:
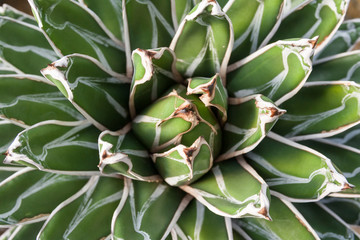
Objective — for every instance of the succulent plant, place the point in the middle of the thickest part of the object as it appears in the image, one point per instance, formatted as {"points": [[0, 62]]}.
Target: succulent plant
{"points": [[179, 119]]}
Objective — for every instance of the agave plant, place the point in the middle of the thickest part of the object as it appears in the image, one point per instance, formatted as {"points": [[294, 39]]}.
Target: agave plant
{"points": [[179, 119]]}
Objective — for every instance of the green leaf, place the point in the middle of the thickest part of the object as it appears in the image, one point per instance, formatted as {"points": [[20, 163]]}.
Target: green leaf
{"points": [[143, 202], [90, 88], [31, 101], [24, 231], [31, 195], [346, 208], [277, 71], [219, 190], [121, 153], [318, 18], [184, 165], [177, 118], [197, 222], [340, 67], [294, 5], [320, 109], [241, 135], [154, 73], [287, 223], [9, 11], [293, 171], [54, 146], [344, 39], [332, 227], [204, 41], [346, 158], [6, 69], [350, 137], [24, 46], [213, 94], [87, 214], [65, 21], [254, 23]]}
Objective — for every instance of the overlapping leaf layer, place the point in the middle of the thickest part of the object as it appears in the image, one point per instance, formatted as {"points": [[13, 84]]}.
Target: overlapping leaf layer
{"points": [[179, 119]]}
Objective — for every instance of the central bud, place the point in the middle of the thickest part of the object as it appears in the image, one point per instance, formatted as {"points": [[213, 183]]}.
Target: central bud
{"points": [[182, 134]]}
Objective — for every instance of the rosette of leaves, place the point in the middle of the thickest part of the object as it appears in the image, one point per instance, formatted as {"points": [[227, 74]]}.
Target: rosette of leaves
{"points": [[164, 119]]}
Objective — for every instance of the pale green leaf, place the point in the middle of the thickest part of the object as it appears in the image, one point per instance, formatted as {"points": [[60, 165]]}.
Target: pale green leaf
{"points": [[346, 158], [287, 223], [31, 101], [319, 18], [219, 190], [203, 42], [98, 94], [254, 23], [243, 134], [65, 21], [121, 153], [87, 214], [154, 73], [198, 222], [24, 46], [294, 171], [277, 71], [320, 109], [67, 147], [332, 228], [147, 210], [30, 195]]}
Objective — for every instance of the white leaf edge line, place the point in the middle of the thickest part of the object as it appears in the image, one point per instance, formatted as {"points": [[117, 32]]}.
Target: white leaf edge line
{"points": [[331, 132], [127, 182], [264, 119], [119, 157], [336, 56], [24, 14], [36, 78], [216, 11], [335, 174], [336, 217], [249, 209], [91, 182], [21, 157], [55, 73]]}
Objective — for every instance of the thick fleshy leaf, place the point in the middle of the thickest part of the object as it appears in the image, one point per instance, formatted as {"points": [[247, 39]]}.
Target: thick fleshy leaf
{"points": [[154, 73], [204, 41], [8, 131], [287, 223], [30, 195], [87, 214], [320, 109], [322, 18], [147, 210], [277, 71], [24, 46], [31, 101], [345, 39], [346, 158], [177, 118], [341, 67], [213, 93], [9, 11], [24, 231], [219, 190], [294, 171], [184, 165], [197, 222], [121, 153], [6, 68], [242, 134], [65, 21], [332, 227], [348, 209], [254, 23], [350, 137], [293, 5], [100, 95], [54, 146]]}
